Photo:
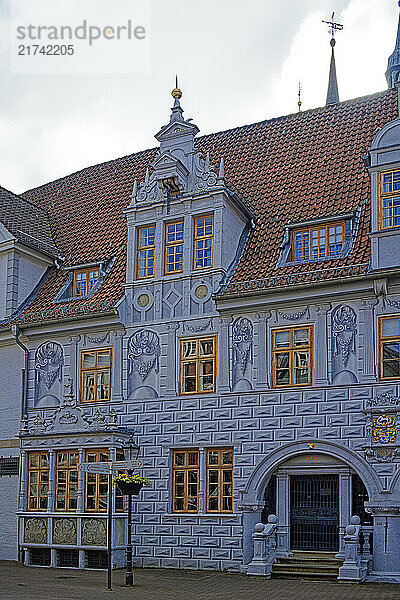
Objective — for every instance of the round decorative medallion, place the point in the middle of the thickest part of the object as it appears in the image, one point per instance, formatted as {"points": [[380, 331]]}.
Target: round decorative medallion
{"points": [[201, 292], [143, 300]]}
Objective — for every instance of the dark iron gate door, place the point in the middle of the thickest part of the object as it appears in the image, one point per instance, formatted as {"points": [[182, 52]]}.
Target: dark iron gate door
{"points": [[314, 512]]}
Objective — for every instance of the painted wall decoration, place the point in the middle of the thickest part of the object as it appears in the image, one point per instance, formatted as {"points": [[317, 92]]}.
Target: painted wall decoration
{"points": [[242, 354], [143, 358], [344, 358], [49, 361], [384, 429]]}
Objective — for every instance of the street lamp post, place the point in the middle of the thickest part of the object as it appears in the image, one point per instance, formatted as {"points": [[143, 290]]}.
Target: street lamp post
{"points": [[131, 451]]}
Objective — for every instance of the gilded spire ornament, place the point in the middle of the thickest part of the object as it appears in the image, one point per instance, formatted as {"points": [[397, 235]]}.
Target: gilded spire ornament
{"points": [[176, 92]]}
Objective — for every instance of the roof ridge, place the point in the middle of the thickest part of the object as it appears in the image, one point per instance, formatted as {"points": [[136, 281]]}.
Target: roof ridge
{"points": [[290, 116]]}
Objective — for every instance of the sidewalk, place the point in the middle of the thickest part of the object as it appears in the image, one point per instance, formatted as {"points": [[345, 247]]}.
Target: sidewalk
{"points": [[34, 583]]}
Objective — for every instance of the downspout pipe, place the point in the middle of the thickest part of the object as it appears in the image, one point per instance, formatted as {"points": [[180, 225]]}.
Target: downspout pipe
{"points": [[15, 330]]}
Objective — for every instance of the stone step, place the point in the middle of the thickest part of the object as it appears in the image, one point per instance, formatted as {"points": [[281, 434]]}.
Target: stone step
{"points": [[308, 565]]}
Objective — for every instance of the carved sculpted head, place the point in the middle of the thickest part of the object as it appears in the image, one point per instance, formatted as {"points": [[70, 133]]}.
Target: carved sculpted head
{"points": [[344, 329], [48, 363]]}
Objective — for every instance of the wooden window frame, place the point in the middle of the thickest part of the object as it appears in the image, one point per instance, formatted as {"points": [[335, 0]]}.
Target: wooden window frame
{"points": [[291, 350], [221, 467], [39, 470], [173, 244], [383, 196], [197, 359], [67, 469], [310, 230], [186, 468], [381, 341], [98, 480], [140, 248], [197, 238], [96, 370], [87, 290]]}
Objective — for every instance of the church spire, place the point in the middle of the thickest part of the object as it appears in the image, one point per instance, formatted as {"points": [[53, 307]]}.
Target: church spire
{"points": [[332, 96], [393, 70]]}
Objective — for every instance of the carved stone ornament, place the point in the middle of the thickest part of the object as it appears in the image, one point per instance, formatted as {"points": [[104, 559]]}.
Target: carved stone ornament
{"points": [[198, 328], [242, 342], [383, 428], [296, 316], [143, 352], [69, 416], [64, 531], [344, 331], [35, 531], [48, 363], [94, 532]]}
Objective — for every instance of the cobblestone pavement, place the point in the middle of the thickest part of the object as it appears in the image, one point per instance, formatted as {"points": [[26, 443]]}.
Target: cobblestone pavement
{"points": [[22, 583]]}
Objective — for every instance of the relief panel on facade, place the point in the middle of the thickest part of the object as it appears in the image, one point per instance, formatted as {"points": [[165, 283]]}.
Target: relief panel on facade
{"points": [[35, 531], [64, 531], [94, 532], [49, 361], [242, 354], [143, 364], [344, 357]]}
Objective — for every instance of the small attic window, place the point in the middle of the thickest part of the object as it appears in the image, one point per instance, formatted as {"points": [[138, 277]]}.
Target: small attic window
{"points": [[389, 206], [319, 240], [85, 280]]}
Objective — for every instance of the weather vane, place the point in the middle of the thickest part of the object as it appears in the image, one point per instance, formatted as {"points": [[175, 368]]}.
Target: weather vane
{"points": [[333, 26], [299, 103]]}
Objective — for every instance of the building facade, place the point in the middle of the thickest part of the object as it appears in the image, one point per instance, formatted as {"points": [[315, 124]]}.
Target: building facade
{"points": [[234, 300]]}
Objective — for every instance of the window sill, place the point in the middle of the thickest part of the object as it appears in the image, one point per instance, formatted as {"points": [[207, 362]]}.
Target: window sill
{"points": [[199, 515]]}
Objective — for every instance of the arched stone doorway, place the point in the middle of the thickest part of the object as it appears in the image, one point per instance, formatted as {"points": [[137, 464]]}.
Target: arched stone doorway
{"points": [[309, 481], [314, 496]]}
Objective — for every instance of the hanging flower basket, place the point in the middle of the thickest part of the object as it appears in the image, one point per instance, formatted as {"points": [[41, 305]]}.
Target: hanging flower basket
{"points": [[130, 485]]}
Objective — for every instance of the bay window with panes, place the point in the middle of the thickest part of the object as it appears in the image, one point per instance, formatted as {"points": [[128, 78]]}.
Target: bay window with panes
{"points": [[389, 196], [67, 480], [174, 247], [146, 248], [198, 365], [292, 356], [38, 480], [96, 375], [203, 242], [389, 348], [96, 488]]}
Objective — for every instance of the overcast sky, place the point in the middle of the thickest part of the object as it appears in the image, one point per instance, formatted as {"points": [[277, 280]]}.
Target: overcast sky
{"points": [[239, 61]]}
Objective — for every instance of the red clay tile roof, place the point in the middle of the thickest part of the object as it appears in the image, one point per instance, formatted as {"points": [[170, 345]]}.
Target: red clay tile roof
{"points": [[289, 169]]}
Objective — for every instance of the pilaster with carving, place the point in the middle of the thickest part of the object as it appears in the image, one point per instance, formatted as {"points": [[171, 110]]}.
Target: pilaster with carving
{"points": [[118, 366], [367, 340], [171, 374], [81, 484], [73, 358], [51, 494], [262, 353], [223, 356], [321, 344], [23, 490]]}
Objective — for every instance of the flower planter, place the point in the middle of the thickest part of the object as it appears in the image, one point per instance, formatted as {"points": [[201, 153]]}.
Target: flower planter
{"points": [[129, 488]]}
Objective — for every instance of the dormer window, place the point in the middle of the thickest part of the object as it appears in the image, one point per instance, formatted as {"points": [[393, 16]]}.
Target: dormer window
{"points": [[84, 281], [389, 205], [322, 241], [203, 241], [146, 246]]}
